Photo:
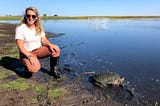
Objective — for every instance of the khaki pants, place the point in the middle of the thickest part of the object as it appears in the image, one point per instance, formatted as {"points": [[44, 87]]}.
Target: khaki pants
{"points": [[41, 52]]}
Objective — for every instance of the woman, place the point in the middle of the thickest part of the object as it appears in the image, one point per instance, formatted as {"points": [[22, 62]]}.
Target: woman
{"points": [[33, 44]]}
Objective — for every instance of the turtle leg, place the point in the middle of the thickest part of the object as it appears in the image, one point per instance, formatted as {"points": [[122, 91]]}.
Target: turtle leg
{"points": [[98, 84]]}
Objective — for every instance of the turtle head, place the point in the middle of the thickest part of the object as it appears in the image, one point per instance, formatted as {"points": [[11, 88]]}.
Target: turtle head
{"points": [[121, 80]]}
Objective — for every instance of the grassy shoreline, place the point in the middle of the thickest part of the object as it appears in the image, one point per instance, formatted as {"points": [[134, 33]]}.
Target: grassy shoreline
{"points": [[77, 17], [32, 91]]}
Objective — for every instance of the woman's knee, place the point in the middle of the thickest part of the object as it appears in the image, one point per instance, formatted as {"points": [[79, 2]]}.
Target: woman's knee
{"points": [[34, 69], [56, 53]]}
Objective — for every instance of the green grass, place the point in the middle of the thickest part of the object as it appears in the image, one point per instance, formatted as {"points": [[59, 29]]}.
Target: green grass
{"points": [[18, 85], [40, 88], [2, 76], [10, 49], [76, 17], [10, 17], [5, 73], [54, 93], [3, 35]]}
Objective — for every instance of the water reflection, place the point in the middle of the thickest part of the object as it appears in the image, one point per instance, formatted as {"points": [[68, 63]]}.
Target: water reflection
{"points": [[98, 23]]}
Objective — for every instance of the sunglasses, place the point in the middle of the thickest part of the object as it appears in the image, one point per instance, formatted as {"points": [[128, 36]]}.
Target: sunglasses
{"points": [[33, 16]]}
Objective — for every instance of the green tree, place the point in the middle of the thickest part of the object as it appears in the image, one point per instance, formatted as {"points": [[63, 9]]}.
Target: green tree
{"points": [[44, 16]]}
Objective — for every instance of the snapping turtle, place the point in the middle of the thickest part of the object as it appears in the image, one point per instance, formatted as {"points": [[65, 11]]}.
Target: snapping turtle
{"points": [[107, 78], [113, 86]]}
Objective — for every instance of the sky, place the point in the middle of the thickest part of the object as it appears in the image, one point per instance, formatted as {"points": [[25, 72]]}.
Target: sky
{"points": [[82, 7]]}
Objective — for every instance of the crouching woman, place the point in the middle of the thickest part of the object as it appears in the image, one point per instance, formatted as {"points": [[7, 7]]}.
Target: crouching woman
{"points": [[33, 44]]}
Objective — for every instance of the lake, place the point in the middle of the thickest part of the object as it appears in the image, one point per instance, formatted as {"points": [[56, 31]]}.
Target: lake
{"points": [[130, 47]]}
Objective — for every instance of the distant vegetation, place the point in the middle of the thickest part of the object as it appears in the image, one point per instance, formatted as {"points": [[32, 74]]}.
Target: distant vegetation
{"points": [[45, 17]]}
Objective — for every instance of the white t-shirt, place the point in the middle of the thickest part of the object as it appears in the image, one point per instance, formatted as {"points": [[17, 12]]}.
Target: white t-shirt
{"points": [[31, 40]]}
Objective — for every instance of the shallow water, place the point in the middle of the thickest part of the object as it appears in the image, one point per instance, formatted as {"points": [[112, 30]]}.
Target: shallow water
{"points": [[129, 47]]}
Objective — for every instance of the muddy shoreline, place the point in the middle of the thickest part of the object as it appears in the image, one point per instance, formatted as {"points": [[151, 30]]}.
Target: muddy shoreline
{"points": [[78, 91]]}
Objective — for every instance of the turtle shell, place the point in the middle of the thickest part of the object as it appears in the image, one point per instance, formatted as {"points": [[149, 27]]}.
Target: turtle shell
{"points": [[107, 78]]}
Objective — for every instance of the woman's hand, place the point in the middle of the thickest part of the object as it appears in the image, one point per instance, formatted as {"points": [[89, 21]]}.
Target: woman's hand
{"points": [[55, 50], [33, 60]]}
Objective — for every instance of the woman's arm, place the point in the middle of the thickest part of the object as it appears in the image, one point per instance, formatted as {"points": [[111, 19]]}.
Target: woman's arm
{"points": [[54, 48], [31, 57], [20, 44], [45, 41]]}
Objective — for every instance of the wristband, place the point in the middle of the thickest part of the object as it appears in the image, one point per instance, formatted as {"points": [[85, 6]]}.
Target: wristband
{"points": [[29, 56]]}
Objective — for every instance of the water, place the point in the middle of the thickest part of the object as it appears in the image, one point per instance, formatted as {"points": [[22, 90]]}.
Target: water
{"points": [[128, 47]]}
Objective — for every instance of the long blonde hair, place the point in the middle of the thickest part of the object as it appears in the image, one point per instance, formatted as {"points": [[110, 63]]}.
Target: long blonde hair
{"points": [[37, 23]]}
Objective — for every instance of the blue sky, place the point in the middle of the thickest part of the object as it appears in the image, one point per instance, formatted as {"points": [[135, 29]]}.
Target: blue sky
{"points": [[82, 7]]}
